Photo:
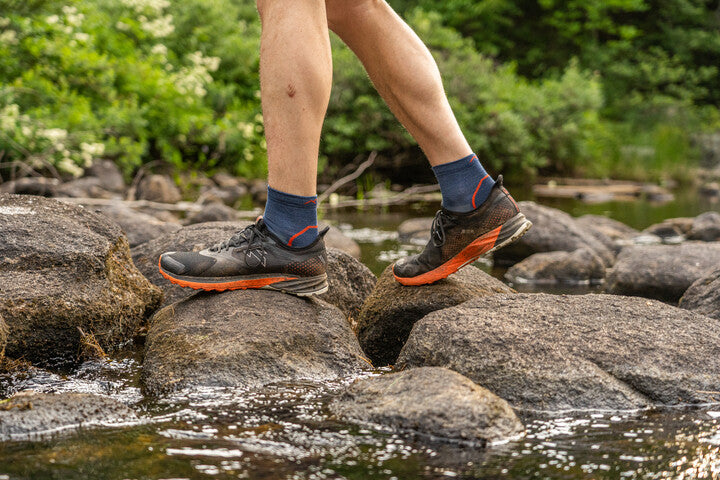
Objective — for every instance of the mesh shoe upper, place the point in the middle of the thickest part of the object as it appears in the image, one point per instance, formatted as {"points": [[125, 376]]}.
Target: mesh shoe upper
{"points": [[451, 232], [251, 251]]}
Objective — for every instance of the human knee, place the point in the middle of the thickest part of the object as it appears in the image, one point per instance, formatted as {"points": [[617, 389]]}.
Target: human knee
{"points": [[342, 13]]}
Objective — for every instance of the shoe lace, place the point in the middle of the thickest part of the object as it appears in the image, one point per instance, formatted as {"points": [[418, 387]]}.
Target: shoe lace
{"points": [[252, 235], [437, 231]]}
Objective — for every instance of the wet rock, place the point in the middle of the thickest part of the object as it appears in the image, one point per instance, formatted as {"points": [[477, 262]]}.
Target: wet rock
{"points": [[86, 187], [40, 186], [63, 270], [581, 266], [558, 352], [553, 230], [192, 238], [158, 188], [337, 239], [710, 189], [30, 415], [706, 227], [672, 230], [227, 195], [662, 272], [391, 310], [247, 338], [350, 283], [258, 190], [430, 401], [138, 227], [213, 212], [415, 230], [703, 296], [108, 173], [611, 233], [3, 337]]}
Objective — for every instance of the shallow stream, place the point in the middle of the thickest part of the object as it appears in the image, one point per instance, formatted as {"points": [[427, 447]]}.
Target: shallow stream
{"points": [[285, 431]]}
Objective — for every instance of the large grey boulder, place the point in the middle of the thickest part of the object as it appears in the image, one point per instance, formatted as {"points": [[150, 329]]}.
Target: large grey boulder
{"points": [[86, 187], [581, 266], [706, 227], [247, 338], [703, 296], [138, 227], [552, 352], [41, 186], [66, 276], [30, 415], [431, 401], [390, 312], [663, 272], [187, 239], [415, 230], [671, 230], [553, 230], [349, 284]]}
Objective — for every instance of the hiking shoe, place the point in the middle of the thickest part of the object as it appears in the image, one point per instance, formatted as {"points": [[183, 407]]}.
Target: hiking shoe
{"points": [[252, 258], [458, 239]]}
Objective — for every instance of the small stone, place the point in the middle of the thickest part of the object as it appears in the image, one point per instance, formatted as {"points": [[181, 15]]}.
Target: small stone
{"points": [[429, 401], [213, 212], [335, 238], [581, 266], [706, 227], [703, 296], [158, 188], [34, 416], [109, 175]]}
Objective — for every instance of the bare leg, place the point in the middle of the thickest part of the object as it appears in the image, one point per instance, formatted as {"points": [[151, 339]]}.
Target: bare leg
{"points": [[295, 82], [404, 73]]}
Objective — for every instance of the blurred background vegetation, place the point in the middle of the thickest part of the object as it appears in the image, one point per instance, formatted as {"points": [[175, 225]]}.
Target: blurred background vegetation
{"points": [[616, 88]]}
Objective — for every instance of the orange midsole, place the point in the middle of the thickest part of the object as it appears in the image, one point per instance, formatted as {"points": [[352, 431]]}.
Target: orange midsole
{"points": [[471, 252], [234, 285]]}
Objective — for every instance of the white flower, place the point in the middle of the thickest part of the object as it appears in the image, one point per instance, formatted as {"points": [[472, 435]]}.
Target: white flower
{"points": [[4, 22], [67, 165], [123, 27], [160, 27], [90, 151], [82, 37], [154, 6], [55, 135], [9, 37], [26, 131], [159, 49], [52, 19], [246, 129]]}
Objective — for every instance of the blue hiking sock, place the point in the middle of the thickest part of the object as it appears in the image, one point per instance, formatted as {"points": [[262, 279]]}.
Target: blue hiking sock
{"points": [[291, 218], [464, 184]]}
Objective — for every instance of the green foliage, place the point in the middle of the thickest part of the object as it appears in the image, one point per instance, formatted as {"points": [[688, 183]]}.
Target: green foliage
{"points": [[130, 80], [513, 124], [643, 48]]}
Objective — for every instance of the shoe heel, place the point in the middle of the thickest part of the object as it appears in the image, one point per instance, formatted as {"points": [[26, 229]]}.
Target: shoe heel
{"points": [[302, 287], [511, 231]]}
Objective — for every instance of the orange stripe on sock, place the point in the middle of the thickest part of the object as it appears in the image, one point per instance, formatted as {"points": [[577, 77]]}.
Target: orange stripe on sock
{"points": [[478, 188], [310, 201], [473, 158], [300, 233]]}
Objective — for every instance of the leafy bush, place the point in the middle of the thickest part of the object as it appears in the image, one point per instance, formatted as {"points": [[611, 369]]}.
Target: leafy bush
{"points": [[127, 80], [512, 123]]}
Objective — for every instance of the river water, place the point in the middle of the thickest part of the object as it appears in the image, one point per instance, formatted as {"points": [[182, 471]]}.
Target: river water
{"points": [[285, 431]]}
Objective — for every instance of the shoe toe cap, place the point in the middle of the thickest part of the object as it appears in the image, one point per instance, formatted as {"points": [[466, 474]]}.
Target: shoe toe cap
{"points": [[172, 265]]}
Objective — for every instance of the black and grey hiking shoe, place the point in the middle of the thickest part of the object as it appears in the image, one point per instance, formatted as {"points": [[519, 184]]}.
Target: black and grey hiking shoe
{"points": [[252, 258], [458, 239]]}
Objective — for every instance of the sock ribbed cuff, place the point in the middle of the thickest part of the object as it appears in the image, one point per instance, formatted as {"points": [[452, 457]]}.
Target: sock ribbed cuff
{"points": [[464, 184], [291, 218]]}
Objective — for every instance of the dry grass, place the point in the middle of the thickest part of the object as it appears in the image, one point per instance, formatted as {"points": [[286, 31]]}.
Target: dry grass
{"points": [[90, 348]]}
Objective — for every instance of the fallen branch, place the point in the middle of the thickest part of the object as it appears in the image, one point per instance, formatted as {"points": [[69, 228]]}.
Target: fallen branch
{"points": [[348, 178]]}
